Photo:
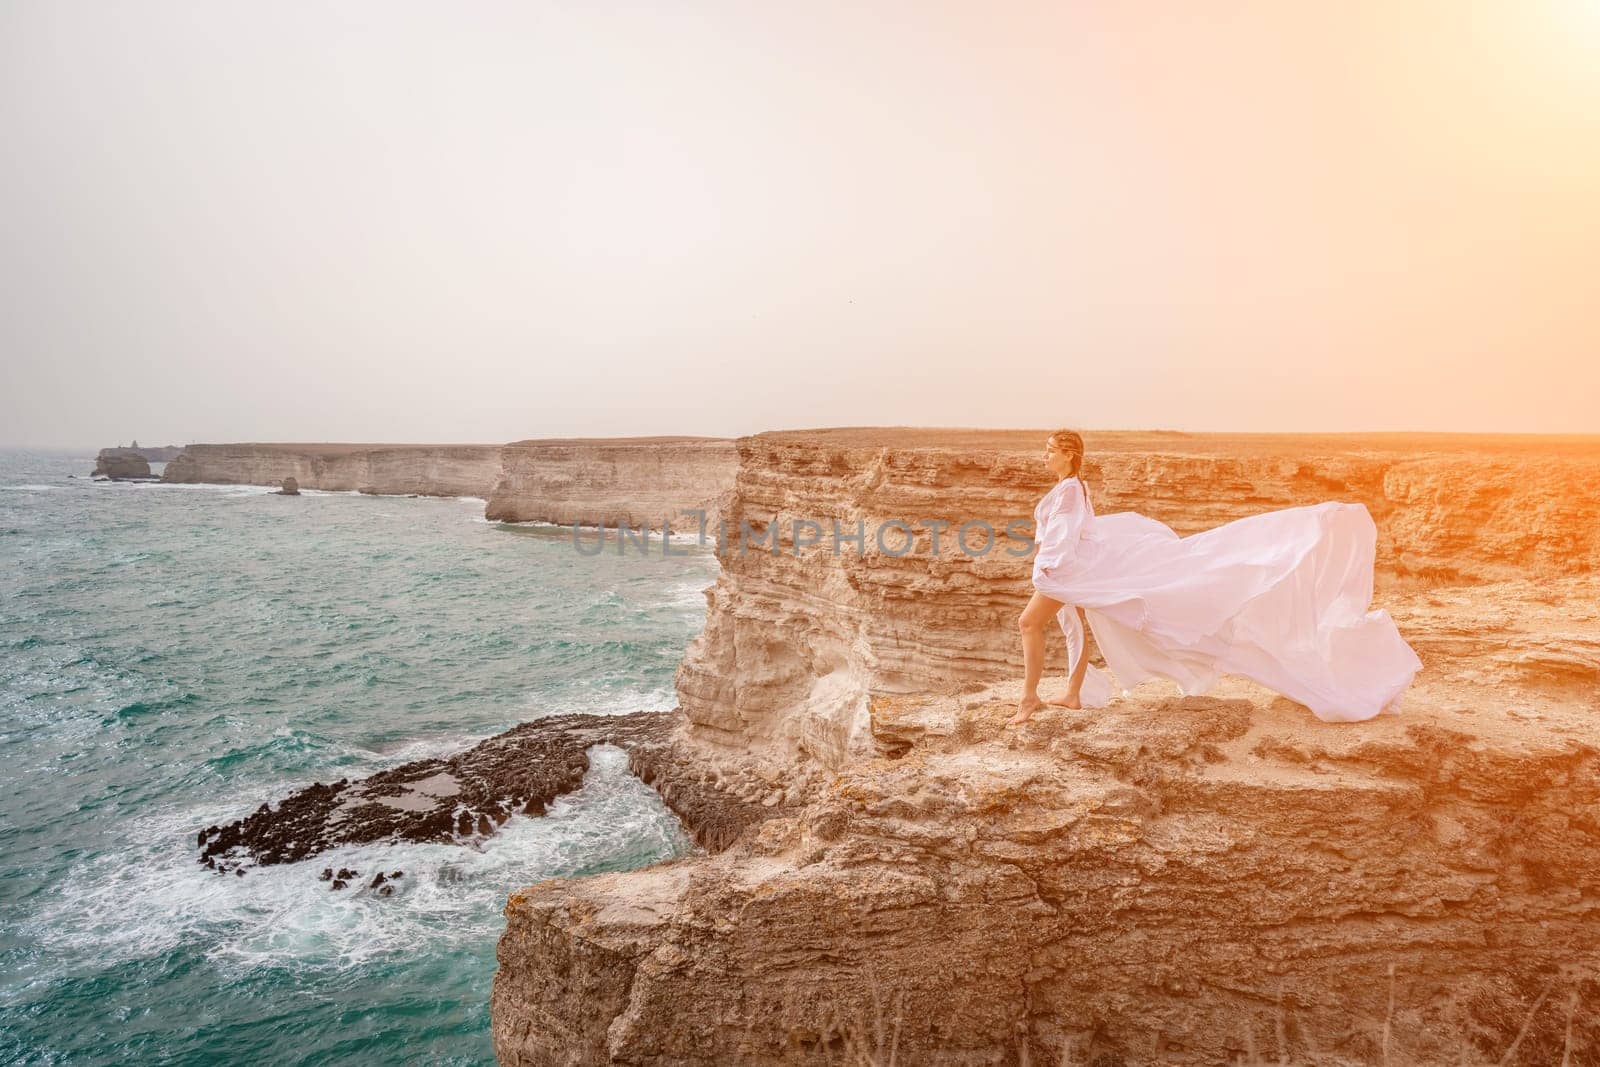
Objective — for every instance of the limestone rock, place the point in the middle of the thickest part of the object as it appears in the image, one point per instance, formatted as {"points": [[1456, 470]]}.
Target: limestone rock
{"points": [[637, 480], [1161, 881], [606, 480], [1178, 880], [798, 642]]}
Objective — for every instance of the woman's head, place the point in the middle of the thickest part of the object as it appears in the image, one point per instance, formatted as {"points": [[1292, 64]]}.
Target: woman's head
{"points": [[1063, 452]]}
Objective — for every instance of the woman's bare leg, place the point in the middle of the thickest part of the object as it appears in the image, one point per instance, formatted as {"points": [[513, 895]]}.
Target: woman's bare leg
{"points": [[1035, 617], [1074, 697]]}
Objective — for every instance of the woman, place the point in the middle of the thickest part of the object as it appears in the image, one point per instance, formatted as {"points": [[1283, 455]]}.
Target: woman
{"points": [[1279, 597]]}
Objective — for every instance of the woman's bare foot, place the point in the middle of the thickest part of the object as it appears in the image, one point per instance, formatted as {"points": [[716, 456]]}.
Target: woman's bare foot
{"points": [[1025, 710], [1071, 700]]}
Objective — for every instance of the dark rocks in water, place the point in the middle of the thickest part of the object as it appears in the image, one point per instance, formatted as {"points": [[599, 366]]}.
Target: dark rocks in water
{"points": [[339, 883], [291, 487], [377, 880], [386, 891], [398, 874], [467, 796], [327, 874]]}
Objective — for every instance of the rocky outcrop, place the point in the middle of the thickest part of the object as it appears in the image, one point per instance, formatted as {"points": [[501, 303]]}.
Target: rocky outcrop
{"points": [[424, 470], [121, 465], [1177, 880], [607, 480], [1184, 881], [468, 796]]}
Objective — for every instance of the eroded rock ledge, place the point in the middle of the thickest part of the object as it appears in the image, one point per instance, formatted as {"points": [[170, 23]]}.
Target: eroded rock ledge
{"points": [[1173, 881], [471, 794]]}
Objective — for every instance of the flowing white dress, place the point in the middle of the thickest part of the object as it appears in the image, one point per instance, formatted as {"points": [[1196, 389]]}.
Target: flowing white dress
{"points": [[1281, 597]]}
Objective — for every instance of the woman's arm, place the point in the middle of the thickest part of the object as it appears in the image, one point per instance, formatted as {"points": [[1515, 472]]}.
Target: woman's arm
{"points": [[1058, 537]]}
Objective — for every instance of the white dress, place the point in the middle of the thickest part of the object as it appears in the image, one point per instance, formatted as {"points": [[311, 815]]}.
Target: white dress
{"points": [[1281, 597]]}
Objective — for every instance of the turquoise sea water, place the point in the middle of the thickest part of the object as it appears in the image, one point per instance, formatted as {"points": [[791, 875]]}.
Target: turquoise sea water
{"points": [[172, 656]]}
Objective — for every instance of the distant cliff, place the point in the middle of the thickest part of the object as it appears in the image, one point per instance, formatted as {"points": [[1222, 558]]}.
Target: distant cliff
{"points": [[427, 470], [148, 453], [609, 479], [558, 480]]}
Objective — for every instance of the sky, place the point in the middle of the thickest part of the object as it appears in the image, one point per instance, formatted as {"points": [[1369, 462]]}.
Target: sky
{"points": [[397, 221]]}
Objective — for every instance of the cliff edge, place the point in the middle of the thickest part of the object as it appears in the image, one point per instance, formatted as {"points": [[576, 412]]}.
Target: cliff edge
{"points": [[1170, 879]]}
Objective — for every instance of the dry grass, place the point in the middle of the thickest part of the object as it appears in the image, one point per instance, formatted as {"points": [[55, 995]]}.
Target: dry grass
{"points": [[875, 1040]]}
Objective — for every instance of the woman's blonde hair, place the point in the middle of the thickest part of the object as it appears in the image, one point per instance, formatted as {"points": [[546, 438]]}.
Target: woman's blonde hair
{"points": [[1070, 442]]}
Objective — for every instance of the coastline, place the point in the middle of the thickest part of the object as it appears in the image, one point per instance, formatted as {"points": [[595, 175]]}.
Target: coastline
{"points": [[848, 706], [556, 480]]}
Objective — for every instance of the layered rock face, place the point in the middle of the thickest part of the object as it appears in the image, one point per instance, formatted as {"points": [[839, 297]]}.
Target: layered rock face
{"points": [[592, 481], [426, 470], [797, 639], [1186, 880], [607, 480]]}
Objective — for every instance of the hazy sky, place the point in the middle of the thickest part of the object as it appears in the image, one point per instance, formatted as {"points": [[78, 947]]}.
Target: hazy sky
{"points": [[484, 221]]}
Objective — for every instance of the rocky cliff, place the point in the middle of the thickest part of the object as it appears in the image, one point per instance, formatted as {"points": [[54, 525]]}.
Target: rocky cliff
{"points": [[1169, 879], [606, 480], [797, 640], [426, 470], [637, 480]]}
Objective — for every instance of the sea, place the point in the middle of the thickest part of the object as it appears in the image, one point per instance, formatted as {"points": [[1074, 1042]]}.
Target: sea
{"points": [[173, 656]]}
